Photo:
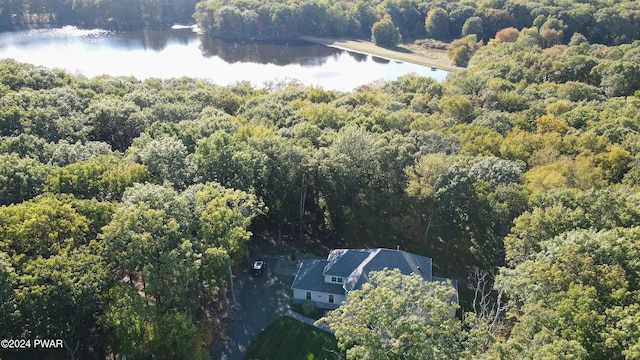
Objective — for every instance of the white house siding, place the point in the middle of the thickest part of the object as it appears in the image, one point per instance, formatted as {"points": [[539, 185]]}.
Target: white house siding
{"points": [[300, 295], [319, 298]]}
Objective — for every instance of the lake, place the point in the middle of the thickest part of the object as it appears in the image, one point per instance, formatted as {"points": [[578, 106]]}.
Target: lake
{"points": [[180, 51]]}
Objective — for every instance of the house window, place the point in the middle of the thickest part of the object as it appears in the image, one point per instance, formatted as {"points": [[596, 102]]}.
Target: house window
{"points": [[308, 295], [335, 279], [331, 300]]}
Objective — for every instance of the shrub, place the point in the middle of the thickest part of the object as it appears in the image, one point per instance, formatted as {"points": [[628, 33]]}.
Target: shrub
{"points": [[308, 307]]}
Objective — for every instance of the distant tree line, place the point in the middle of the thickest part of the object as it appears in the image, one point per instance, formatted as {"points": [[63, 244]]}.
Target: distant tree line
{"points": [[599, 21], [119, 14], [604, 22]]}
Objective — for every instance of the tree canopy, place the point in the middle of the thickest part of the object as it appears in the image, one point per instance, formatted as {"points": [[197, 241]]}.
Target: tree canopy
{"points": [[598, 21], [124, 201], [396, 316]]}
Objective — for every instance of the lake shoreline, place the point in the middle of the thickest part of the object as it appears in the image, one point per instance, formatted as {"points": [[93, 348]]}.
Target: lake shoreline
{"points": [[181, 52], [435, 58]]}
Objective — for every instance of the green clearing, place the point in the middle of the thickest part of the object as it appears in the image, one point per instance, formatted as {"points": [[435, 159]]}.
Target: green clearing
{"points": [[287, 338]]}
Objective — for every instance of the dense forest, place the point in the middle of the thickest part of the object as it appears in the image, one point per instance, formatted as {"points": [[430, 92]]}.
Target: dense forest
{"points": [[112, 14], [123, 203], [602, 22]]}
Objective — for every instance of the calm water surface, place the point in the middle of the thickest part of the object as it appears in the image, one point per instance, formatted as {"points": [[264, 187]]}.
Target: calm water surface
{"points": [[181, 52]]}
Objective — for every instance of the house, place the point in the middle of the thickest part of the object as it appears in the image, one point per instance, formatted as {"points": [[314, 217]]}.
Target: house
{"points": [[327, 282]]}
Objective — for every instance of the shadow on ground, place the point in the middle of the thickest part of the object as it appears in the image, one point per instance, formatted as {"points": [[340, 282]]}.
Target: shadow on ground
{"points": [[261, 300]]}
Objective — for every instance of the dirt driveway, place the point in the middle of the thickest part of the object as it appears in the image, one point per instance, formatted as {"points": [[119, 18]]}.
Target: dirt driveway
{"points": [[261, 300]]}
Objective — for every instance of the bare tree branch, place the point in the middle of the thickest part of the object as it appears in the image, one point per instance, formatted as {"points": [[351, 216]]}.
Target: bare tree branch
{"points": [[487, 302]]}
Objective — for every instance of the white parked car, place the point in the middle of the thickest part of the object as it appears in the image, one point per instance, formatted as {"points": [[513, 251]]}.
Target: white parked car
{"points": [[258, 267]]}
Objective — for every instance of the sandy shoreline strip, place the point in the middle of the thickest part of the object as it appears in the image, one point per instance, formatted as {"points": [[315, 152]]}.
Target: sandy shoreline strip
{"points": [[439, 61]]}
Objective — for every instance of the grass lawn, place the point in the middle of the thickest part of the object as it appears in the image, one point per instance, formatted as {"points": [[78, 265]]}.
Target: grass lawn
{"points": [[287, 338]]}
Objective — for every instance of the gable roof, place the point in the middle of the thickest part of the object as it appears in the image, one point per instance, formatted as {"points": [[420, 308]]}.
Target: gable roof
{"points": [[342, 262], [355, 264], [309, 277]]}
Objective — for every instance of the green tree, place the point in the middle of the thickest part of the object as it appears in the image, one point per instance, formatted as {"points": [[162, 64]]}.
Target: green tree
{"points": [[229, 23], [473, 25], [285, 191], [619, 78], [314, 14], [462, 211], [494, 18], [54, 272], [457, 17], [552, 31], [460, 51], [230, 162], [138, 241], [385, 33], [20, 178], [263, 109], [151, 219], [395, 316], [64, 153], [322, 115], [205, 16], [8, 281], [611, 26], [474, 139], [61, 296], [364, 15], [558, 211], [623, 331], [25, 145], [407, 14], [166, 159], [176, 246], [437, 24], [41, 227], [421, 180], [497, 171], [140, 330], [457, 107], [102, 177], [615, 162], [10, 120], [350, 166], [224, 216], [575, 291], [114, 121]]}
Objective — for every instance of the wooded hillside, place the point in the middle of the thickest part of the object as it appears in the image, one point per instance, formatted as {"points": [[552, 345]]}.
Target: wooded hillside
{"points": [[599, 21], [111, 14]]}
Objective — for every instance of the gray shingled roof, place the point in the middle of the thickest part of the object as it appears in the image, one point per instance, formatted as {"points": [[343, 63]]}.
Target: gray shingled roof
{"points": [[341, 262], [355, 265], [380, 259], [309, 277]]}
